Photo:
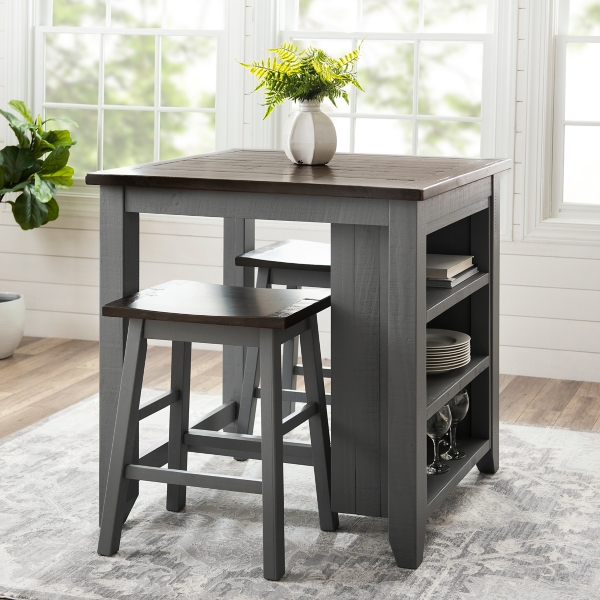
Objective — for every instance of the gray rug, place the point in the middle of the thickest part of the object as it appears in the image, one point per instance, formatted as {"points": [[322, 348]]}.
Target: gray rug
{"points": [[532, 531]]}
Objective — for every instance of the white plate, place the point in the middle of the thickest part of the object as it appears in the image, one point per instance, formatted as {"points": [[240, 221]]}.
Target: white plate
{"points": [[446, 338], [456, 348], [441, 365], [450, 356], [452, 352], [448, 368], [460, 352]]}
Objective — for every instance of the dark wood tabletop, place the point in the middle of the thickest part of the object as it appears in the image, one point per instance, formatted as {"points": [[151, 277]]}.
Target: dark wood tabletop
{"points": [[382, 176]]}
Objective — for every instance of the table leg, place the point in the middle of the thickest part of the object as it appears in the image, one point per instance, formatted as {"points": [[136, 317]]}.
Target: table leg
{"points": [[119, 276], [490, 462], [238, 237], [357, 480], [407, 441]]}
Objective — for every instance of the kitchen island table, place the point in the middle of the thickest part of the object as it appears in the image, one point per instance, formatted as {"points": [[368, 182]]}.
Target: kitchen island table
{"points": [[386, 212]]}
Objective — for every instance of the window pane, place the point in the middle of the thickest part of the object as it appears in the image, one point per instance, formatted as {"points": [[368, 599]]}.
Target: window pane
{"points": [[449, 138], [185, 134], [450, 79], [456, 16], [385, 72], [129, 70], [584, 17], [582, 90], [79, 13], [383, 136], [342, 130], [333, 15], [84, 156], [195, 14], [128, 138], [390, 15], [136, 13], [189, 72], [582, 155], [77, 84]]}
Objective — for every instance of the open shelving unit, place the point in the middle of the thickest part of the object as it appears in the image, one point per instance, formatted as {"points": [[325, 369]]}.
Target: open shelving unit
{"points": [[468, 308]]}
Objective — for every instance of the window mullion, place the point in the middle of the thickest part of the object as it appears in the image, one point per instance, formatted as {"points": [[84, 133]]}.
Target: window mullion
{"points": [[100, 140], [415, 123], [157, 93]]}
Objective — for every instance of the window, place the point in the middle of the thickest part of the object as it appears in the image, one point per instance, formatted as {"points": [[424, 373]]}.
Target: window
{"points": [[427, 67], [576, 143], [140, 77]]}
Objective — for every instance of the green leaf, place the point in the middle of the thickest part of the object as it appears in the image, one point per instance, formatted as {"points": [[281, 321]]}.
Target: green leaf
{"points": [[52, 207], [22, 109], [44, 190], [55, 161], [59, 137], [64, 120], [40, 146], [62, 178], [16, 188], [2, 178], [19, 164], [28, 211]]}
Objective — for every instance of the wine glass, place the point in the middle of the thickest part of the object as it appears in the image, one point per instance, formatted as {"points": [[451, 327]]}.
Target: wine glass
{"points": [[437, 428], [459, 406]]}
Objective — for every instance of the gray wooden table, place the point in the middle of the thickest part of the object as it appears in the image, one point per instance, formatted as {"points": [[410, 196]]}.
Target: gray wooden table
{"points": [[386, 213]]}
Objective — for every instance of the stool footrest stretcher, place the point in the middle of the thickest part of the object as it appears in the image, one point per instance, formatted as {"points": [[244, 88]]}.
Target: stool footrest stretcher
{"points": [[203, 480]]}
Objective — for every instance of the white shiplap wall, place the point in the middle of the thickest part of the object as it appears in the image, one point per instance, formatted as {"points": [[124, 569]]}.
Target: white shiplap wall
{"points": [[550, 293]]}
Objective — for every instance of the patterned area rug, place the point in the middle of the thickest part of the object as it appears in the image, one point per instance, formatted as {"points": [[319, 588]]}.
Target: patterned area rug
{"points": [[532, 531]]}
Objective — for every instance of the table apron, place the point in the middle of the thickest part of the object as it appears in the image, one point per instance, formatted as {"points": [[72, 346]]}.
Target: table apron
{"points": [[247, 205]]}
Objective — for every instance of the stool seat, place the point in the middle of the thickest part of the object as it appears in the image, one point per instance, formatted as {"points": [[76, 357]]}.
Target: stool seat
{"points": [[211, 304], [289, 254]]}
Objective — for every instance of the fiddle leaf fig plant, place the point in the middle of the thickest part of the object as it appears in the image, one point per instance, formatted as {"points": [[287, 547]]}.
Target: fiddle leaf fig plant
{"points": [[36, 167], [301, 75]]}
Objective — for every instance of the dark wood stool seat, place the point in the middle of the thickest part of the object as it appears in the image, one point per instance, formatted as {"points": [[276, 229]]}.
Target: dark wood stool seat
{"points": [[211, 304], [259, 319], [295, 264], [297, 255]]}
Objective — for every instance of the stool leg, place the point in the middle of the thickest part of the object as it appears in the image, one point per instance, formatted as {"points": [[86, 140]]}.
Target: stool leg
{"points": [[272, 455], [179, 421], [290, 360], [319, 427], [247, 409], [123, 448]]}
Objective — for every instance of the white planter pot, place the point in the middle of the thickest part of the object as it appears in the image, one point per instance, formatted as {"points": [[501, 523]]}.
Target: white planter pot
{"points": [[309, 136], [12, 322]]}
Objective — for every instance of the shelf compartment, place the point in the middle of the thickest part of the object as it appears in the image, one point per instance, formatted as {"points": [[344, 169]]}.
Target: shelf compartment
{"points": [[443, 386], [439, 487], [441, 299]]}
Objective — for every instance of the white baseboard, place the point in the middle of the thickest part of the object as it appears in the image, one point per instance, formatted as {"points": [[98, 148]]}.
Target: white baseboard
{"points": [[552, 364]]}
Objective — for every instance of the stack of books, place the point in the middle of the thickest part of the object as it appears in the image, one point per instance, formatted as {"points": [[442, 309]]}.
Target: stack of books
{"points": [[448, 270]]}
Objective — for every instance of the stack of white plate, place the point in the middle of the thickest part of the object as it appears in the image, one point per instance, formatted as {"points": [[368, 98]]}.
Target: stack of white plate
{"points": [[447, 350]]}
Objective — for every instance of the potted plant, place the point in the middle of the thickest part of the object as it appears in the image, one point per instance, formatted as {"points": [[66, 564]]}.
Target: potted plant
{"points": [[306, 77], [34, 168]]}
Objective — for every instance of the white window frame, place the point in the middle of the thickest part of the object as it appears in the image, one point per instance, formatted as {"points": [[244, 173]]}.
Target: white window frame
{"points": [[545, 217], [498, 106]]}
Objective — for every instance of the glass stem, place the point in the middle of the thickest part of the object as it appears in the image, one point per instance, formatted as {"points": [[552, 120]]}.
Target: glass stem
{"points": [[436, 452], [453, 449]]}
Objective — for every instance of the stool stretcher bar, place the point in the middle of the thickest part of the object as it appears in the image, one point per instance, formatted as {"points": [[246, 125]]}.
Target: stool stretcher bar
{"points": [[158, 403], [215, 482]]}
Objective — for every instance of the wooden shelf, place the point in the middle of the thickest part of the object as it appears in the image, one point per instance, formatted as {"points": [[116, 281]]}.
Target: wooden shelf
{"points": [[440, 486], [441, 299], [442, 387]]}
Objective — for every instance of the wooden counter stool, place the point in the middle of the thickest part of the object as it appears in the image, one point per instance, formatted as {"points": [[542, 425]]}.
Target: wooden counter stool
{"points": [[185, 312], [295, 264]]}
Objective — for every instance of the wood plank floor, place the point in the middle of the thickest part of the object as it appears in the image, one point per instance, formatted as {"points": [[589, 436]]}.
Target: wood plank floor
{"points": [[47, 375]]}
